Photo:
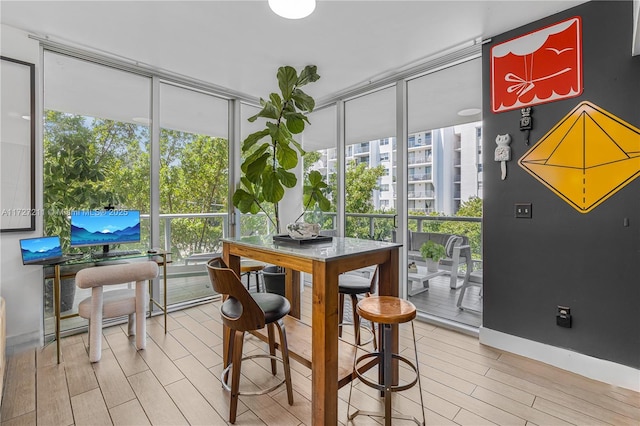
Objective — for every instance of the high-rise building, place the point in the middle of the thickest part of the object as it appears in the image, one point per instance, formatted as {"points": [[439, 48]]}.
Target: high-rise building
{"points": [[444, 168]]}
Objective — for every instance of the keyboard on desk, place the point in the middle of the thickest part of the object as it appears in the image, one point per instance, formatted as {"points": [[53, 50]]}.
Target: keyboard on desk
{"points": [[116, 253]]}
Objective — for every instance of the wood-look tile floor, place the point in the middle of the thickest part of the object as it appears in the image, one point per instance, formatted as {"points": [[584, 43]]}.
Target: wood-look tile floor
{"points": [[176, 381]]}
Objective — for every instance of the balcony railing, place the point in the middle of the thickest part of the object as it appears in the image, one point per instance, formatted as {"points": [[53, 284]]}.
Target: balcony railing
{"points": [[215, 224], [202, 239], [420, 194], [361, 149], [419, 160], [368, 225], [419, 177], [381, 226], [419, 144], [425, 210]]}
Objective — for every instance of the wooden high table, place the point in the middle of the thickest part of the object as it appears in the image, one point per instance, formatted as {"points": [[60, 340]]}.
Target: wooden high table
{"points": [[325, 261]]}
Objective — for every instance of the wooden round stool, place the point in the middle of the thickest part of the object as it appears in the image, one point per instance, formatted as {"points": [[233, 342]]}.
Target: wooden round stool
{"points": [[387, 311], [250, 266]]}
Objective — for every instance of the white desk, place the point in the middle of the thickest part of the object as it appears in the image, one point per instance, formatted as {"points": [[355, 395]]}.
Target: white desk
{"points": [[422, 277]]}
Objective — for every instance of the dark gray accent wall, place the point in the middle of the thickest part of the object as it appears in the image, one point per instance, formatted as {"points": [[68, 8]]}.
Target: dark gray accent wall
{"points": [[588, 262]]}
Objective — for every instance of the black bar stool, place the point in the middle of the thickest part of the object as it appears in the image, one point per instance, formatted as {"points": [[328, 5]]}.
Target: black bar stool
{"points": [[387, 311], [353, 286], [250, 267]]}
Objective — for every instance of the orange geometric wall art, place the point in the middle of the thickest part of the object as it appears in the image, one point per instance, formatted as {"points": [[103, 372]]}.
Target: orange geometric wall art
{"points": [[542, 66], [586, 157]]}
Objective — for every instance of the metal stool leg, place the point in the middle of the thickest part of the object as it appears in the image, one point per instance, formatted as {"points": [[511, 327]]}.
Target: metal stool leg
{"points": [[355, 358], [415, 349], [257, 281], [385, 364], [386, 351]]}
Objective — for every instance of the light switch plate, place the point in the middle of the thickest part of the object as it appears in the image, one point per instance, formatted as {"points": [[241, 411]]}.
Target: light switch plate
{"points": [[523, 210]]}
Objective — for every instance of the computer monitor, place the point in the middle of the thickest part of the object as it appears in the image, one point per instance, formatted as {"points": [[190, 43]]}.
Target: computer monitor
{"points": [[40, 250], [104, 227]]}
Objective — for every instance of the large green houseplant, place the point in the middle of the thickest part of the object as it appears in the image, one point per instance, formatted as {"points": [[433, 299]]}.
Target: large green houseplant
{"points": [[271, 153]]}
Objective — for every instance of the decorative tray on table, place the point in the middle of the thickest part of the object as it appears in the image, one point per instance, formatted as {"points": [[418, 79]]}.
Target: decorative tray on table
{"points": [[285, 238]]}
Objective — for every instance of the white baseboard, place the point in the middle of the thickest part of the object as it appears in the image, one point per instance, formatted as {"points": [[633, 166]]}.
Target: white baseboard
{"points": [[27, 340], [593, 368]]}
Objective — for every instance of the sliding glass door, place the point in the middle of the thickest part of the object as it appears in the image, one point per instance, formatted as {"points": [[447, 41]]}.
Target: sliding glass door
{"points": [[444, 180]]}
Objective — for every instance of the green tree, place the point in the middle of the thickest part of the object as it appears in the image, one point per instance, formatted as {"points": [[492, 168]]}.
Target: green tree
{"points": [[360, 182], [194, 179], [309, 159], [79, 157], [473, 230], [91, 162], [427, 225]]}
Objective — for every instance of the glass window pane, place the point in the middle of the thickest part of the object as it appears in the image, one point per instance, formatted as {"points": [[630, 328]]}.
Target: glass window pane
{"points": [[194, 181], [444, 173], [96, 152], [319, 141], [370, 126], [252, 224]]}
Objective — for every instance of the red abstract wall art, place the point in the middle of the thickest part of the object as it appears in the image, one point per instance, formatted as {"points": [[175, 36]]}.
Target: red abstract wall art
{"points": [[539, 67]]}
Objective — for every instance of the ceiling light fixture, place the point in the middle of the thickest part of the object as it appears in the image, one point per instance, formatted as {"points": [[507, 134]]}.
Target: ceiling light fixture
{"points": [[292, 9]]}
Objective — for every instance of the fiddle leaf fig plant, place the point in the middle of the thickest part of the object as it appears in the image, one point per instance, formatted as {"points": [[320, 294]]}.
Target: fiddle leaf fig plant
{"points": [[270, 154], [313, 194]]}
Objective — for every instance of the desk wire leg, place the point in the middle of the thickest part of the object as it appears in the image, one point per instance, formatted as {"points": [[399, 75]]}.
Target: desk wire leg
{"points": [[164, 280], [56, 307]]}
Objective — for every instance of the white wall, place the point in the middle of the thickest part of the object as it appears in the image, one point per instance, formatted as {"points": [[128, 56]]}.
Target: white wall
{"points": [[22, 286]]}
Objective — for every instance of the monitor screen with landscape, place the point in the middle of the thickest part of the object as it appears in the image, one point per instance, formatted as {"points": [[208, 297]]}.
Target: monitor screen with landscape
{"points": [[40, 249], [104, 227]]}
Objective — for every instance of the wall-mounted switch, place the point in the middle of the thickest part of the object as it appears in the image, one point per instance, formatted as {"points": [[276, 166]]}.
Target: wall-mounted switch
{"points": [[523, 210]]}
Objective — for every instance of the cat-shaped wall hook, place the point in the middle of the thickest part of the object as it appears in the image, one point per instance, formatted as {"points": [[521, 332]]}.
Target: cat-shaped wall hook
{"points": [[503, 152]]}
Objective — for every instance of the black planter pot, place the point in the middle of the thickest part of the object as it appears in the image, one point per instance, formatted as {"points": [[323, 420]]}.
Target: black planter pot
{"points": [[273, 279]]}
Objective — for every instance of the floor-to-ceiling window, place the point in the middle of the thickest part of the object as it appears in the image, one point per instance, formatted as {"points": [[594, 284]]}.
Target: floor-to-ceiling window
{"points": [[194, 181], [253, 224], [370, 126], [319, 142], [98, 152], [96, 149], [444, 172]]}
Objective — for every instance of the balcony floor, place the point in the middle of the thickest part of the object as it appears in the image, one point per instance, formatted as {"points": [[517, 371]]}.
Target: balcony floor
{"points": [[441, 301]]}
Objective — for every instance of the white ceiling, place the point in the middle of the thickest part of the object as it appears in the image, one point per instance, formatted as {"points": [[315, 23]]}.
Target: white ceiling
{"points": [[240, 44]]}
